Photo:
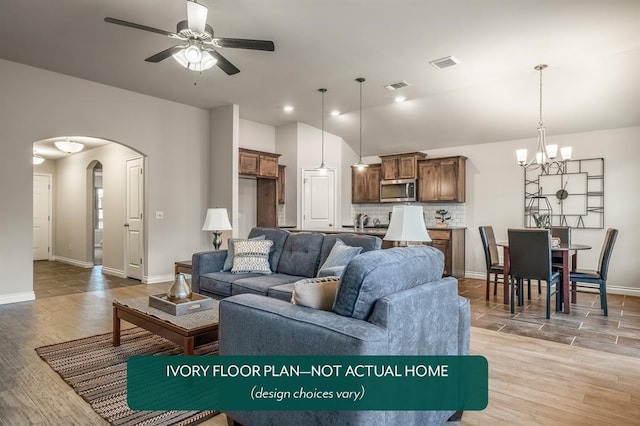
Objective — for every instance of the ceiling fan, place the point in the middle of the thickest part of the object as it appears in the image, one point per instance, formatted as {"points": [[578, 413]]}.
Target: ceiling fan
{"points": [[197, 53]]}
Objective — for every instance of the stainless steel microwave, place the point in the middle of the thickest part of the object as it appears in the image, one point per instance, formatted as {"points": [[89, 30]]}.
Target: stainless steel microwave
{"points": [[398, 190]]}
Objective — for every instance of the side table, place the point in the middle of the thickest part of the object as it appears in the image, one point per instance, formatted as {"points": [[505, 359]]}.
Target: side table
{"points": [[183, 266]]}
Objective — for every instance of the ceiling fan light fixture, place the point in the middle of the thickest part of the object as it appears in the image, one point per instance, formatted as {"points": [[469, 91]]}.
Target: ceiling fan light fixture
{"points": [[193, 54], [69, 146]]}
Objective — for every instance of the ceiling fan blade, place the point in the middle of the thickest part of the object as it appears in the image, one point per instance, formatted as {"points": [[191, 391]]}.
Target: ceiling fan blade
{"points": [[161, 56], [224, 64], [138, 26], [196, 16], [243, 43]]}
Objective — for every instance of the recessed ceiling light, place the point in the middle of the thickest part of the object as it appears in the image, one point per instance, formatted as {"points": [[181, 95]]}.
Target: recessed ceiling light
{"points": [[288, 108], [335, 112], [400, 99]]}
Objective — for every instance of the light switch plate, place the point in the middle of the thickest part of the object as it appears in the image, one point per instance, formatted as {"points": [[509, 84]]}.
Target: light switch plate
{"points": [[159, 215]]}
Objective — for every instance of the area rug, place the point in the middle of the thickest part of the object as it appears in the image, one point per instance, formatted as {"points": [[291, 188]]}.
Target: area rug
{"points": [[97, 371]]}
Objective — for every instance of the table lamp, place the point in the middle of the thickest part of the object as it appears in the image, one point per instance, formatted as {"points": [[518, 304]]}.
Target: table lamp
{"points": [[407, 224], [217, 220]]}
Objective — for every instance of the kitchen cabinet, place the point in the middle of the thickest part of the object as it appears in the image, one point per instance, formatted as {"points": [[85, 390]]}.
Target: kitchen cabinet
{"points": [[451, 242], [281, 182], [442, 179], [365, 184], [401, 166], [258, 163]]}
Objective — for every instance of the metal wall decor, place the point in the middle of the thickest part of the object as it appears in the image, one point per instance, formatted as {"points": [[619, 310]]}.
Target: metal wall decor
{"points": [[574, 195]]}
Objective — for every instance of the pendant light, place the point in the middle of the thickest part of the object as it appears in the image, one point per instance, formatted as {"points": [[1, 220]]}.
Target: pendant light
{"points": [[545, 156], [360, 165], [322, 168]]}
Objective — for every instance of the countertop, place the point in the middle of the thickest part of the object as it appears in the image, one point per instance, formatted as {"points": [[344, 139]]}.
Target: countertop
{"points": [[368, 230]]}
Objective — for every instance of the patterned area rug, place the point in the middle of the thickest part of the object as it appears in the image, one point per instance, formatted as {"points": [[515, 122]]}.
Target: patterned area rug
{"points": [[97, 371]]}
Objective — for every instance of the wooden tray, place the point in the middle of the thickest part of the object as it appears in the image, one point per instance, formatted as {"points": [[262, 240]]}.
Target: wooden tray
{"points": [[195, 303]]}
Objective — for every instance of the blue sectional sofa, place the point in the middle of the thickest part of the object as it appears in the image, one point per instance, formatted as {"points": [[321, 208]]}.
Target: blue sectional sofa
{"points": [[389, 302], [293, 256]]}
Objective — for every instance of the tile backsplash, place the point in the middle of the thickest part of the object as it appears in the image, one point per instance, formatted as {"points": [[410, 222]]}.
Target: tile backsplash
{"points": [[457, 211]]}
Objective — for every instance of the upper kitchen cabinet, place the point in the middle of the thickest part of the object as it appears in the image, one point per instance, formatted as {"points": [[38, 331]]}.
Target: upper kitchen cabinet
{"points": [[365, 184], [401, 166], [442, 179], [258, 163]]}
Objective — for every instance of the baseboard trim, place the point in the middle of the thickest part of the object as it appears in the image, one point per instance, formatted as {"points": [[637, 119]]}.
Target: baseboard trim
{"points": [[114, 272], [155, 279], [73, 262], [26, 296], [628, 291]]}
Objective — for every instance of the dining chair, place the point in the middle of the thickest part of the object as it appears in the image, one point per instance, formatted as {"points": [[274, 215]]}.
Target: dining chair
{"points": [[530, 258], [590, 279], [491, 257], [564, 233]]}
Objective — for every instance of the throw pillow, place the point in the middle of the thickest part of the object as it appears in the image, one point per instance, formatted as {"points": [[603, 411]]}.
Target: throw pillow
{"points": [[251, 256], [228, 262], [316, 293], [340, 255]]}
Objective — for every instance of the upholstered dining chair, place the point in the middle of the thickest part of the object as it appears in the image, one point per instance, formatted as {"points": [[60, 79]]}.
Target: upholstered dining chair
{"points": [[590, 279], [530, 258], [491, 258]]}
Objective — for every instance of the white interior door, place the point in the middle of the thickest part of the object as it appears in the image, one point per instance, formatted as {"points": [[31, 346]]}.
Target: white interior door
{"points": [[134, 226], [41, 217], [319, 199]]}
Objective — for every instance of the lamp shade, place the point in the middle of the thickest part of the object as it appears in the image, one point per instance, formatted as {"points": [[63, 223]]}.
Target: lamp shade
{"points": [[216, 220], [407, 224]]}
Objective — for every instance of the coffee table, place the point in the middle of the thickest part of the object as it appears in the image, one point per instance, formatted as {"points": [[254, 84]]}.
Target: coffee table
{"points": [[188, 331]]}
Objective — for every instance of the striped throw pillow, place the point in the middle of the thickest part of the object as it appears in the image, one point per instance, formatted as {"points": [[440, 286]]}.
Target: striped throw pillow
{"points": [[251, 256]]}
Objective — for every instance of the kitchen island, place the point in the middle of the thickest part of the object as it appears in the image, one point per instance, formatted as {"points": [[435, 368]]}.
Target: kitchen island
{"points": [[449, 240]]}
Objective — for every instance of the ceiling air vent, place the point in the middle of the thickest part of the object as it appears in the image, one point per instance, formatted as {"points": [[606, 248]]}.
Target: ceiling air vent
{"points": [[398, 85], [447, 61]]}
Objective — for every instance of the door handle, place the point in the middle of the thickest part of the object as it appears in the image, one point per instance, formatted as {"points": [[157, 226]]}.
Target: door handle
{"points": [[331, 224], [126, 225]]}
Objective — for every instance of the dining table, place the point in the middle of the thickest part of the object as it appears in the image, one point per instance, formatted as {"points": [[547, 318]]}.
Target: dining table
{"points": [[564, 250]]}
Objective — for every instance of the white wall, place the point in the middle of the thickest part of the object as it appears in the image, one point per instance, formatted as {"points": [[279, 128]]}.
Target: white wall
{"points": [[223, 165], [287, 146], [258, 136], [72, 217], [495, 197], [38, 104]]}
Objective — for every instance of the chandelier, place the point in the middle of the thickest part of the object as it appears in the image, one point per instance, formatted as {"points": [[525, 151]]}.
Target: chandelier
{"points": [[545, 157]]}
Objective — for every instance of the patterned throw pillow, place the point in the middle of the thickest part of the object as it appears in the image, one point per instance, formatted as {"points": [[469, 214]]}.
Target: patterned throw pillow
{"points": [[251, 256], [340, 255], [228, 262], [316, 293]]}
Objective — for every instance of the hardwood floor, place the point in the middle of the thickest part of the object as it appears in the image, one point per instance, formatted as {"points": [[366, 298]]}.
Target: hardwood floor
{"points": [[542, 378]]}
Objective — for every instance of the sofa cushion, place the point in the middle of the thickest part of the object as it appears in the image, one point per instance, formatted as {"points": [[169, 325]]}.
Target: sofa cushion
{"points": [[301, 254], [316, 293], [282, 291], [340, 255], [278, 236], [251, 256], [378, 273], [219, 283], [261, 284], [367, 242], [228, 261]]}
